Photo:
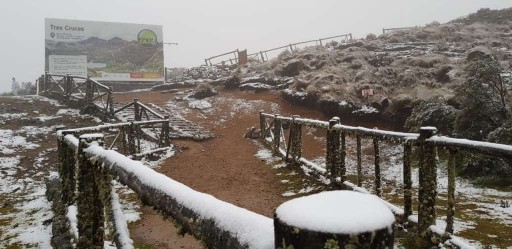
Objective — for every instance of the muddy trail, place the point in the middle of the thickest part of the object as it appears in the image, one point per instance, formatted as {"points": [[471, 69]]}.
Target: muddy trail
{"points": [[224, 166]]}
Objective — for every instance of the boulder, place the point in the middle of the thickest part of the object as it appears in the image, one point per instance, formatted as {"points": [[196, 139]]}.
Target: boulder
{"points": [[291, 68]]}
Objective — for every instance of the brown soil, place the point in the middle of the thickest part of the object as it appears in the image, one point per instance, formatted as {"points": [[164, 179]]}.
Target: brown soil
{"points": [[224, 166]]}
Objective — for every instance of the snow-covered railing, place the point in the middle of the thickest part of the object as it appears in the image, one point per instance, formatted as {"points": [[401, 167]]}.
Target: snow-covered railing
{"points": [[140, 110], [128, 135], [426, 144], [87, 170], [85, 90]]}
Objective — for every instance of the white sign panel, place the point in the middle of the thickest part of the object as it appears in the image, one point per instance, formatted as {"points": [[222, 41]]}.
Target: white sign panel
{"points": [[68, 64], [113, 51]]}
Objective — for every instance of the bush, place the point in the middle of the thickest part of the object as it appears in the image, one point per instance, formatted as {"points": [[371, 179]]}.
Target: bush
{"points": [[436, 114]]}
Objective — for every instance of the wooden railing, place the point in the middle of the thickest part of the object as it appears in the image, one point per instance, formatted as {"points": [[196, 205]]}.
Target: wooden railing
{"points": [[263, 55], [425, 143], [84, 90]]}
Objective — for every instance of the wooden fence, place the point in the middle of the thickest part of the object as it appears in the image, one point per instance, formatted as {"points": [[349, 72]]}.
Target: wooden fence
{"points": [[425, 143], [83, 91], [263, 55]]}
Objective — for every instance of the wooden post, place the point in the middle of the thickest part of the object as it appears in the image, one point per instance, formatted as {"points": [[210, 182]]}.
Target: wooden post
{"points": [[89, 91], [359, 162], [263, 126], [365, 222], [378, 187], [124, 142], [89, 204], [262, 57], [332, 158], [296, 140], [110, 103], [67, 161], [343, 153], [68, 86], [427, 185], [277, 134], [451, 191], [132, 149], [407, 180], [165, 132], [136, 109]]}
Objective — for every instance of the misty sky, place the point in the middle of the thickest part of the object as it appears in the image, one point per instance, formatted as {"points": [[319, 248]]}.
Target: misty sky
{"points": [[204, 28]]}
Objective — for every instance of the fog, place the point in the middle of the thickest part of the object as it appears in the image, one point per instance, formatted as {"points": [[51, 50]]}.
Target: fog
{"points": [[204, 28]]}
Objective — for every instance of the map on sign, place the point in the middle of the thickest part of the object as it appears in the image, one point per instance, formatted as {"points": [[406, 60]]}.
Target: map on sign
{"points": [[104, 50]]}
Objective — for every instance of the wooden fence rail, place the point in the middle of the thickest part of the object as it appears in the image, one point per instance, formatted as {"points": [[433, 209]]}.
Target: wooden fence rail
{"points": [[83, 90], [425, 143]]}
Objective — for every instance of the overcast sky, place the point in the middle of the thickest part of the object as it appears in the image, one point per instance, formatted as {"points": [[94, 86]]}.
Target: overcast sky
{"points": [[204, 28]]}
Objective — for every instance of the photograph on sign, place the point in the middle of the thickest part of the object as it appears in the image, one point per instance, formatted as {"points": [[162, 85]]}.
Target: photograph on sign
{"points": [[104, 50]]}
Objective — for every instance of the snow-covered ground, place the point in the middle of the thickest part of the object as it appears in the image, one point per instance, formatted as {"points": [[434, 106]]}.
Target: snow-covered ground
{"points": [[27, 161]]}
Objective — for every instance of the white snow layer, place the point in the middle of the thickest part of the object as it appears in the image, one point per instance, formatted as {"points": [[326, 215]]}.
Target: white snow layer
{"points": [[255, 230], [120, 221], [344, 212], [71, 214]]}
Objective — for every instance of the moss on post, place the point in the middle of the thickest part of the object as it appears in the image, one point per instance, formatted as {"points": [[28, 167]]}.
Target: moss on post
{"points": [[359, 162], [378, 187], [407, 180], [451, 191], [277, 135], [427, 185], [296, 140], [333, 155], [89, 204]]}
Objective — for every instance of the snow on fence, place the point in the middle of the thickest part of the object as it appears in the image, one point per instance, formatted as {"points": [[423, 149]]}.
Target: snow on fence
{"points": [[83, 91], [87, 170], [425, 143]]}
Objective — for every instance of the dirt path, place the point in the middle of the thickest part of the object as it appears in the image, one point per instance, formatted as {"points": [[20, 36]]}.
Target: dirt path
{"points": [[225, 166]]}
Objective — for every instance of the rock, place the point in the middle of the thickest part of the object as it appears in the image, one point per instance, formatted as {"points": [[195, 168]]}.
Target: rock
{"points": [[232, 82], [291, 68], [253, 133], [478, 53], [256, 86], [203, 90]]}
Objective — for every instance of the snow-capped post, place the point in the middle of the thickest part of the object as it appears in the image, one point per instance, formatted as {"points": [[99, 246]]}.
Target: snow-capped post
{"points": [[359, 162], [427, 185], [263, 128], [407, 180], [296, 139], [136, 109], [378, 187], [451, 191], [334, 219], [277, 134], [165, 132], [89, 204], [332, 156]]}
